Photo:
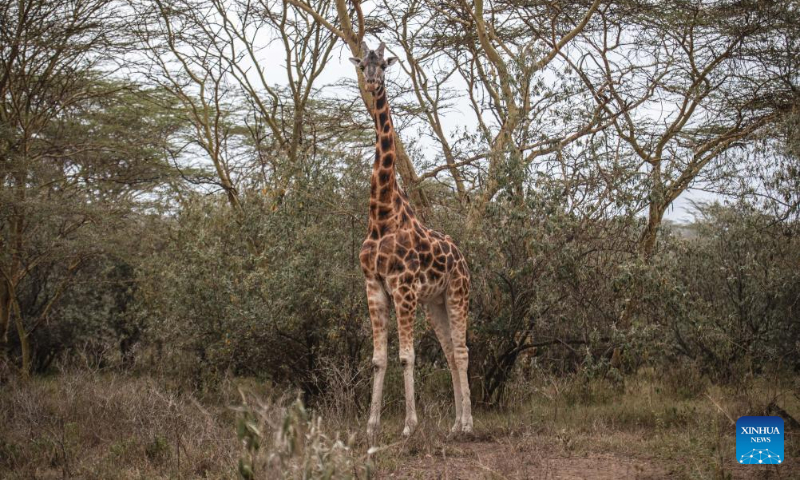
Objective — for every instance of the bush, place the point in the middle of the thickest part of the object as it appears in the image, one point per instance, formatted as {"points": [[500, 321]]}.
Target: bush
{"points": [[268, 293], [275, 292], [727, 294]]}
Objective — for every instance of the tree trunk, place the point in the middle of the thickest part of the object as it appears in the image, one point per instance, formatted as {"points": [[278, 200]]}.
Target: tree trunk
{"points": [[24, 342], [647, 242], [647, 246], [5, 317]]}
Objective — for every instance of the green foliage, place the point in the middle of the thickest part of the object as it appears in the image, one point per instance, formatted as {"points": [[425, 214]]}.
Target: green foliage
{"points": [[91, 177], [727, 297], [157, 450], [275, 312], [119, 252]]}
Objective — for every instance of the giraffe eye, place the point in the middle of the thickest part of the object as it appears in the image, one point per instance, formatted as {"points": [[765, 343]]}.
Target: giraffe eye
{"points": [[362, 67]]}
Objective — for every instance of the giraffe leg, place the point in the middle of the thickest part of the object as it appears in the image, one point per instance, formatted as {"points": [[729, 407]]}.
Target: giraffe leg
{"points": [[437, 316], [405, 305], [378, 303], [457, 311]]}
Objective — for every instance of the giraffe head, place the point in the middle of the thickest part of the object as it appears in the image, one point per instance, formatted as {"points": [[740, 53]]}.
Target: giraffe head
{"points": [[373, 65]]}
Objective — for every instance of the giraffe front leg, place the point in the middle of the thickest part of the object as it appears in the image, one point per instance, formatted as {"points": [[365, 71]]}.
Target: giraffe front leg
{"points": [[405, 304], [379, 317]]}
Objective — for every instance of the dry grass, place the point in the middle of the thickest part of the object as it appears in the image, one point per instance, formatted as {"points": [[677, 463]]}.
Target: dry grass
{"points": [[83, 425]]}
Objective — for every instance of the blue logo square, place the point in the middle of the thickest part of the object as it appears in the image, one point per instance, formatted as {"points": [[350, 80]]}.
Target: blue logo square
{"points": [[759, 440]]}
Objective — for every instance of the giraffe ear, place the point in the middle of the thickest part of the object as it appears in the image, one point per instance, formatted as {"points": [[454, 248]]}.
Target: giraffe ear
{"points": [[355, 61], [391, 61]]}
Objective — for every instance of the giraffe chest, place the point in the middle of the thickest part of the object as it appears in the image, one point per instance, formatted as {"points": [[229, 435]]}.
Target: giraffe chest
{"points": [[407, 258], [392, 254]]}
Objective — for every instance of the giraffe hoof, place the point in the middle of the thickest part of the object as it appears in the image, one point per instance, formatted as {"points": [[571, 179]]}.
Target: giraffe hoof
{"points": [[411, 425], [373, 432], [466, 427], [456, 428], [372, 440]]}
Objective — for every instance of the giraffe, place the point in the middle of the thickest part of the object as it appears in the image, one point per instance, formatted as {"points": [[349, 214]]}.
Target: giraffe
{"points": [[408, 264]]}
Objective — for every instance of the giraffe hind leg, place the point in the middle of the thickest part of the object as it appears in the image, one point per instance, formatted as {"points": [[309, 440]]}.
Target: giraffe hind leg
{"points": [[439, 320], [457, 311]]}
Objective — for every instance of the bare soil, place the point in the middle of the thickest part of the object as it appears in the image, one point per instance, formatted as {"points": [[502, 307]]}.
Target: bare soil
{"points": [[537, 458], [511, 460]]}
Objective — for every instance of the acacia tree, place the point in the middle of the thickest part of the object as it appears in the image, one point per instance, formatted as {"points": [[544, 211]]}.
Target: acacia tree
{"points": [[69, 166], [209, 54], [46, 49], [497, 61], [179, 61], [684, 91], [348, 24]]}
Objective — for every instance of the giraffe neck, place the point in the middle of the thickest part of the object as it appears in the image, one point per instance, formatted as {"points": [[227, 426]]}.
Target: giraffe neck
{"points": [[383, 185]]}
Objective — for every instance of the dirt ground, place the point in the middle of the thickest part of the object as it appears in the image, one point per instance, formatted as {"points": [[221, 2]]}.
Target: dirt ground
{"points": [[531, 460], [494, 460]]}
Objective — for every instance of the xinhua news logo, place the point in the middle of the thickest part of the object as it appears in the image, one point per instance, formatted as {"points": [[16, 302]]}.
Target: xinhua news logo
{"points": [[759, 440]]}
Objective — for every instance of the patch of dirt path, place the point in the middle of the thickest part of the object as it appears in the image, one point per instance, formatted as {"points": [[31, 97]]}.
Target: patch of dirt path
{"points": [[480, 460]]}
